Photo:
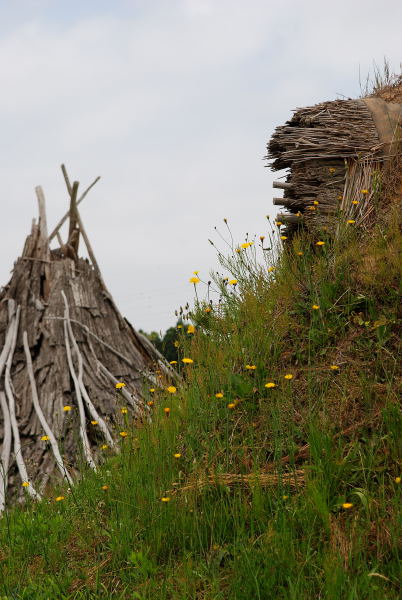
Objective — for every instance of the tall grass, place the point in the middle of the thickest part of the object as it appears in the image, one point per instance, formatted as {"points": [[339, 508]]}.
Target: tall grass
{"points": [[161, 530]]}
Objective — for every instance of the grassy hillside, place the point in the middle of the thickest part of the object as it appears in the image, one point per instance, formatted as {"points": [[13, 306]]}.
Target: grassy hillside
{"points": [[273, 469]]}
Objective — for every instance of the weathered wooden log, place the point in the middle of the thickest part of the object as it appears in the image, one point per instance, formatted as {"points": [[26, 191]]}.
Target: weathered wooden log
{"points": [[289, 218], [282, 185], [285, 202]]}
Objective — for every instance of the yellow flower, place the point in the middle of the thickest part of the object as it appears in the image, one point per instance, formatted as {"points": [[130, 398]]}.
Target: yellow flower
{"points": [[270, 269], [251, 367], [355, 202], [320, 243], [195, 272], [332, 170], [187, 361], [311, 208], [315, 306], [270, 384], [247, 245], [173, 362], [334, 367], [120, 385], [347, 505], [165, 499], [397, 480], [166, 411], [191, 329], [208, 309], [94, 422], [238, 249], [364, 192], [66, 408], [177, 455], [351, 222], [44, 438], [299, 253], [180, 327], [104, 487], [284, 237], [123, 434], [150, 403], [316, 202], [59, 498], [262, 237], [231, 405], [194, 280], [25, 484], [288, 376], [298, 214], [152, 390], [104, 447], [176, 344], [340, 198], [219, 395], [123, 411], [233, 282], [285, 497], [278, 223]]}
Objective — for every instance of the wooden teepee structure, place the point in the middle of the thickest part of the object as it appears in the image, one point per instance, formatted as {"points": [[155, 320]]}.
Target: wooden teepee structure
{"points": [[63, 348]]}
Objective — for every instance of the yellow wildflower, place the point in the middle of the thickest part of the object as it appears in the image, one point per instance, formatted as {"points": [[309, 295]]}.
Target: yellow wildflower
{"points": [[152, 390], [66, 408], [177, 455], [334, 367], [347, 505], [219, 395], [25, 484], [165, 499], [285, 497], [299, 253], [231, 405], [262, 238], [364, 192], [187, 361], [120, 385], [104, 487], [320, 243], [397, 480], [180, 327], [351, 222], [176, 344], [104, 447], [315, 306], [44, 438], [251, 367], [238, 250], [247, 245], [270, 384], [208, 309], [233, 282], [332, 170], [166, 410], [355, 202], [94, 422], [173, 362], [59, 498], [195, 272], [191, 329], [150, 403], [123, 434], [194, 280], [284, 237], [316, 202], [340, 198], [311, 208], [270, 269], [288, 376], [123, 411], [278, 223]]}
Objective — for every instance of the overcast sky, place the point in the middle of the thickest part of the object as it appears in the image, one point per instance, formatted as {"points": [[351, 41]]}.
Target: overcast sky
{"points": [[172, 102]]}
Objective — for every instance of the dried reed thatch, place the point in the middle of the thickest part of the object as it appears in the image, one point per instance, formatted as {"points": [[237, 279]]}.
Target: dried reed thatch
{"points": [[64, 343], [332, 150]]}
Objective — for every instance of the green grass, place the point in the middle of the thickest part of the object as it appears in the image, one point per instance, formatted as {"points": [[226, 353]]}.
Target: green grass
{"points": [[341, 427]]}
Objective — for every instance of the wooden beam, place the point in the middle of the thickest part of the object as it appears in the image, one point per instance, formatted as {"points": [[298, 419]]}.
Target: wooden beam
{"points": [[80, 199], [289, 218], [285, 202], [282, 185], [73, 231]]}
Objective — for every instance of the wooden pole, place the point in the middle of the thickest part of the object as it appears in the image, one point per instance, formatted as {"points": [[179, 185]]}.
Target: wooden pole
{"points": [[282, 185], [73, 231]]}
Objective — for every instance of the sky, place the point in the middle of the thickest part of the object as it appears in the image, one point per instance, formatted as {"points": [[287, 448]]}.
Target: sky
{"points": [[172, 103]]}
